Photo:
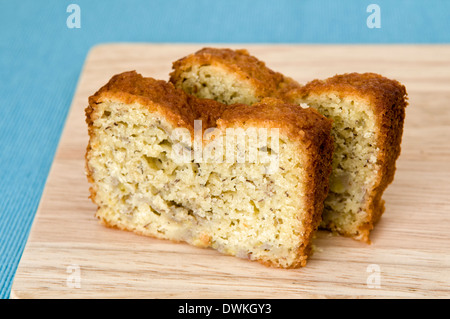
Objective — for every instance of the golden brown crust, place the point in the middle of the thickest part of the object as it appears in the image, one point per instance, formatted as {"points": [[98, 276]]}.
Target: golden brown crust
{"points": [[266, 82], [388, 100], [306, 125], [131, 87], [182, 109]]}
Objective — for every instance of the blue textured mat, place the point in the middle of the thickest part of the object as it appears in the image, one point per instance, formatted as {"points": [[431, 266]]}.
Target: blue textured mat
{"points": [[41, 59]]}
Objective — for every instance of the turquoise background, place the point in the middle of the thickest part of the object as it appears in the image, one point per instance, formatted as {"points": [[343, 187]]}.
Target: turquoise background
{"points": [[41, 59]]}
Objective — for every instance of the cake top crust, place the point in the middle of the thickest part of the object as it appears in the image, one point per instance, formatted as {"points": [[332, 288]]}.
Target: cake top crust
{"points": [[380, 91], [182, 109], [266, 82], [131, 87]]}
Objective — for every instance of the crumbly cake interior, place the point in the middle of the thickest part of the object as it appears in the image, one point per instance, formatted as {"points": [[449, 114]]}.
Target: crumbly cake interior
{"points": [[354, 161], [211, 82], [239, 209]]}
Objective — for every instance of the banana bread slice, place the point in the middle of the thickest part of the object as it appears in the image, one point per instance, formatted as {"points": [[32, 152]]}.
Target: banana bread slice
{"points": [[246, 181], [367, 110]]}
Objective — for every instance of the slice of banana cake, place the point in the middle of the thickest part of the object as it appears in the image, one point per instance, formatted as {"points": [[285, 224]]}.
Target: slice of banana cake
{"points": [[246, 181]]}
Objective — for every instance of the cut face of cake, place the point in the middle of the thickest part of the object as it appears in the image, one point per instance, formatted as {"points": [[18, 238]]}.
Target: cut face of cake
{"points": [[367, 110], [246, 181]]}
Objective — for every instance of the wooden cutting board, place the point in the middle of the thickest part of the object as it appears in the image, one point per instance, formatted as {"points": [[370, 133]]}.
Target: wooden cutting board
{"points": [[70, 255]]}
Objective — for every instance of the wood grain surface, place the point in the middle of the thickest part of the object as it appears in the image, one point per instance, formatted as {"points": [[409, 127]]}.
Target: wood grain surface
{"points": [[70, 255]]}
